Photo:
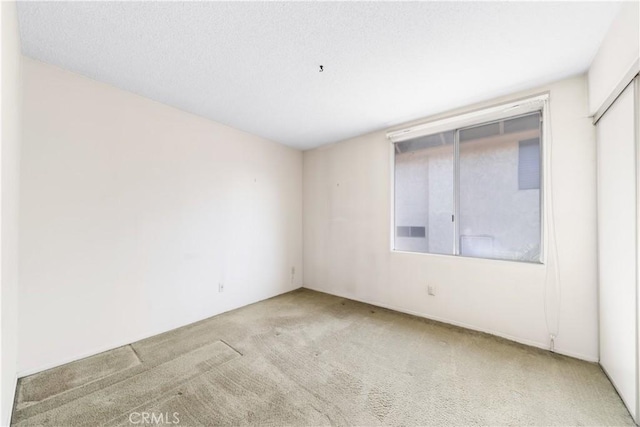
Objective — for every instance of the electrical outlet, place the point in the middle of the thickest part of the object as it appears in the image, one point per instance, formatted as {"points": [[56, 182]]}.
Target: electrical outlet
{"points": [[431, 290], [220, 287]]}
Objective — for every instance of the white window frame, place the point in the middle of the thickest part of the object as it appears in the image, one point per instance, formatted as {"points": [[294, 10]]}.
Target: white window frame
{"points": [[479, 116]]}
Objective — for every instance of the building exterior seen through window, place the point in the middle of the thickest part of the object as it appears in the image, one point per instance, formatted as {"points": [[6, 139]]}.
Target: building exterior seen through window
{"points": [[473, 191]]}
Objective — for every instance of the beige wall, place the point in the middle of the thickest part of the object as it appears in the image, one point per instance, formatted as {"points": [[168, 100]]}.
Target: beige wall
{"points": [[133, 212], [347, 233], [10, 155]]}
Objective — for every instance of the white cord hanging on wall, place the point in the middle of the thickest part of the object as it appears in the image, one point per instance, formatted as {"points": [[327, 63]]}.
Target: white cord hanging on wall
{"points": [[552, 284]]}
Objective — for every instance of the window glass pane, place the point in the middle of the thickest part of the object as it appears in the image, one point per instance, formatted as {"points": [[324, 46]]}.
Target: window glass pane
{"points": [[500, 191], [424, 194], [529, 164]]}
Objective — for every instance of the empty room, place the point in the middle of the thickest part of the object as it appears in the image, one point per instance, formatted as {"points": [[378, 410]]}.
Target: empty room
{"points": [[307, 213]]}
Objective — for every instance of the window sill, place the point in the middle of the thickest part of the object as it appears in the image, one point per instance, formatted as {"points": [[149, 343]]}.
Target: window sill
{"points": [[469, 258]]}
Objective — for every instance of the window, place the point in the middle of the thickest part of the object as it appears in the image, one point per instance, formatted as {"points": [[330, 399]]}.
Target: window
{"points": [[472, 186]]}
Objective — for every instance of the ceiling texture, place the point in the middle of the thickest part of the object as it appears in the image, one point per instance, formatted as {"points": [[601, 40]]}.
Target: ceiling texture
{"points": [[256, 65]]}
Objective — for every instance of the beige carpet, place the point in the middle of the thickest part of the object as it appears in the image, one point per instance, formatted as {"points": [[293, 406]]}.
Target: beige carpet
{"points": [[306, 358]]}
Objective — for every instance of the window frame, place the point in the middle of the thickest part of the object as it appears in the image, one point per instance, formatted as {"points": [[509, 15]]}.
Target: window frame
{"points": [[455, 123]]}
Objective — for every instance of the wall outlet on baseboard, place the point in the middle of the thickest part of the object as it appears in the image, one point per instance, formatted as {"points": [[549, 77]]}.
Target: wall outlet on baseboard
{"points": [[220, 287], [431, 290]]}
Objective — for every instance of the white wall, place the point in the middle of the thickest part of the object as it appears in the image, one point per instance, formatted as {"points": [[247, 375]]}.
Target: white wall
{"points": [[132, 212], [9, 154], [618, 52], [347, 239]]}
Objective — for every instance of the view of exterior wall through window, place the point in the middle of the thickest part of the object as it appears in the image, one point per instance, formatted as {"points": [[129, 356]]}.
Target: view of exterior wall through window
{"points": [[472, 191]]}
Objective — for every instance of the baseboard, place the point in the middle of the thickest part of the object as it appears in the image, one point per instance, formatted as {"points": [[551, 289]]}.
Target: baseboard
{"points": [[7, 423], [130, 340], [524, 341], [93, 352]]}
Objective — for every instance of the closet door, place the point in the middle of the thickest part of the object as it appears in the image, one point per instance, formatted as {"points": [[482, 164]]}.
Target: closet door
{"points": [[617, 223]]}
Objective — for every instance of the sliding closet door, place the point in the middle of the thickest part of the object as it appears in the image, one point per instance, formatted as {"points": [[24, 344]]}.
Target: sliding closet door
{"points": [[617, 222]]}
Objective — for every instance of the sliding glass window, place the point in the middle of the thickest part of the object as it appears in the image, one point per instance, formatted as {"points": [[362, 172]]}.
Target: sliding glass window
{"points": [[472, 191]]}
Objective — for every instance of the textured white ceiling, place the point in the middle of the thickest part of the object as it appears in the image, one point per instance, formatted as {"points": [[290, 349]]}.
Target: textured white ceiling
{"points": [[254, 65]]}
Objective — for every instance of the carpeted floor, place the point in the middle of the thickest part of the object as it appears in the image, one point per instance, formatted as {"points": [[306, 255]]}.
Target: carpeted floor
{"points": [[306, 358]]}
